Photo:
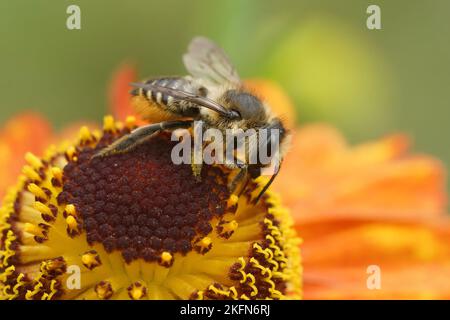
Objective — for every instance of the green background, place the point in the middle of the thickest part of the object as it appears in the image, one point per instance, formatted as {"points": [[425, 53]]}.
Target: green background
{"points": [[366, 82]]}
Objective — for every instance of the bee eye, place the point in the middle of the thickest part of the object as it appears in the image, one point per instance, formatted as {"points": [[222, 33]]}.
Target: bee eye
{"points": [[235, 114]]}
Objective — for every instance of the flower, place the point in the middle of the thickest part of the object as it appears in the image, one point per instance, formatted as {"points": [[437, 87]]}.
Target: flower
{"points": [[137, 226], [355, 207]]}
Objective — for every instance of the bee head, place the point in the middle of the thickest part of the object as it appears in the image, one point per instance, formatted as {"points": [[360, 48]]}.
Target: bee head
{"points": [[245, 104]]}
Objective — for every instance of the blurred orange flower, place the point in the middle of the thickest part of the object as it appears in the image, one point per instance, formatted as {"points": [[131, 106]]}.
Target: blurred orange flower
{"points": [[25, 132], [371, 204]]}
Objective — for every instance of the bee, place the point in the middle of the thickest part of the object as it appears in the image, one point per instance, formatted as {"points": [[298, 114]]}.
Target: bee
{"points": [[214, 94]]}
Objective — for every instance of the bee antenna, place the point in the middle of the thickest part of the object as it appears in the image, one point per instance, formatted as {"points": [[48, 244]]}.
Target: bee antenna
{"points": [[267, 185]]}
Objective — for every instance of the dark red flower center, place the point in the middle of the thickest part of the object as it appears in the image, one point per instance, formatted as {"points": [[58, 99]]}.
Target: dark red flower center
{"points": [[140, 202]]}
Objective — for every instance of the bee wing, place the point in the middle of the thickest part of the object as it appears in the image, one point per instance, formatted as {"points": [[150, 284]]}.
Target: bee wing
{"points": [[206, 60], [189, 97]]}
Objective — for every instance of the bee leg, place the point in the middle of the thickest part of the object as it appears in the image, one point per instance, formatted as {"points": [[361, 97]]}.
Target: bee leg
{"points": [[267, 185], [243, 171], [196, 170], [140, 135]]}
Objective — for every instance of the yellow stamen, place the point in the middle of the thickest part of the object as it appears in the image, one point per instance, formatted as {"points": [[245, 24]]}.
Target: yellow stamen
{"points": [[71, 152], [37, 191], [119, 125], [204, 245], [104, 290], [87, 258], [33, 229], [31, 293], [19, 284], [71, 210], [166, 258], [130, 122], [136, 291], [97, 134], [42, 208], [90, 259], [230, 226], [233, 200], [9, 271], [30, 173], [57, 173], [108, 123], [34, 161], [85, 134], [57, 265], [71, 222], [234, 293]]}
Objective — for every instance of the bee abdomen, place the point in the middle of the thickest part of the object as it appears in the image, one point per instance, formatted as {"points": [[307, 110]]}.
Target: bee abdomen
{"points": [[165, 100], [168, 82], [158, 97]]}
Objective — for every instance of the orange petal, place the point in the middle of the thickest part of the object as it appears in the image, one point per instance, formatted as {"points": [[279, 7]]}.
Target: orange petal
{"points": [[371, 204], [406, 282], [374, 180], [119, 96], [276, 97], [379, 151], [24, 132], [312, 147], [414, 260]]}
